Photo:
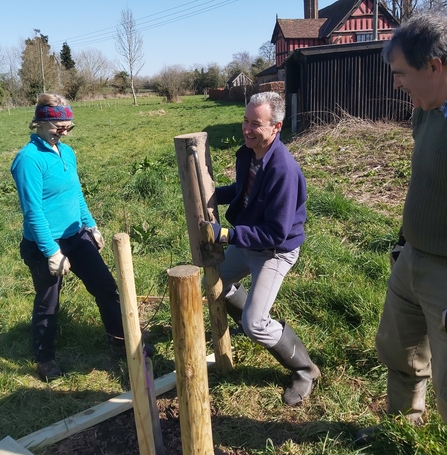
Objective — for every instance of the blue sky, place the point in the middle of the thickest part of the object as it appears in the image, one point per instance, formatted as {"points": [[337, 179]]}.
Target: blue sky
{"points": [[185, 32]]}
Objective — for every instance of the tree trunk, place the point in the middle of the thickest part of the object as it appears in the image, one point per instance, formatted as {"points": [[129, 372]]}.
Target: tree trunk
{"points": [[133, 92]]}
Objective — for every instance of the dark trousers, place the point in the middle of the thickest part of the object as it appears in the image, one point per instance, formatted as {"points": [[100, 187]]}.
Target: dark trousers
{"points": [[88, 265]]}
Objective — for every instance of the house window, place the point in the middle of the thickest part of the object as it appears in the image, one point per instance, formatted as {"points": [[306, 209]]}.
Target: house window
{"points": [[361, 37]]}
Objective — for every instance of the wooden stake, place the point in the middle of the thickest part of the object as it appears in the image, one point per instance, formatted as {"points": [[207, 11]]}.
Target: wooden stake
{"points": [[190, 360], [217, 309], [195, 171], [134, 349]]}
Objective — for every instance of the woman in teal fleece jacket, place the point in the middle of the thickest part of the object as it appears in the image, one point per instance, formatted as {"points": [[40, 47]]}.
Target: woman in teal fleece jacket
{"points": [[59, 232]]}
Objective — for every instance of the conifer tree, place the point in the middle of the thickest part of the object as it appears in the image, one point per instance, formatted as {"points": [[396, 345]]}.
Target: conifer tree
{"points": [[65, 55]]}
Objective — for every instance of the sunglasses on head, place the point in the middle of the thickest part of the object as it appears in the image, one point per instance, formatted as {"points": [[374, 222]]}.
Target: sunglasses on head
{"points": [[62, 129]]}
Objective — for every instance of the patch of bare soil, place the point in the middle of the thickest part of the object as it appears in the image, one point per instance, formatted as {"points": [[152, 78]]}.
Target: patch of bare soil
{"points": [[118, 436]]}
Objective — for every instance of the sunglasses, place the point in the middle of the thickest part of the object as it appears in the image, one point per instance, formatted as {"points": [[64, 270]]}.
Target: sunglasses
{"points": [[62, 129]]}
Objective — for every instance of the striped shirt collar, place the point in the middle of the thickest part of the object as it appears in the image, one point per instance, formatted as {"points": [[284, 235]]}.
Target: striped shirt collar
{"points": [[443, 109]]}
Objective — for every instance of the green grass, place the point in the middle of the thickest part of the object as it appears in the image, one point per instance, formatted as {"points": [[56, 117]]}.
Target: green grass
{"points": [[357, 173]]}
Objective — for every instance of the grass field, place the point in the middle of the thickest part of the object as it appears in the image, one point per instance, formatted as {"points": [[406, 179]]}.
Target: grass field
{"points": [[357, 174]]}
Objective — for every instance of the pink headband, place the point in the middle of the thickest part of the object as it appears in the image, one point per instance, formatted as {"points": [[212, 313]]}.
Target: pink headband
{"points": [[49, 113]]}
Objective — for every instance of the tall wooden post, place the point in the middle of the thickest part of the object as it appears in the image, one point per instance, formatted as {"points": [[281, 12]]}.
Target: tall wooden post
{"points": [[194, 163], [134, 349], [190, 360]]}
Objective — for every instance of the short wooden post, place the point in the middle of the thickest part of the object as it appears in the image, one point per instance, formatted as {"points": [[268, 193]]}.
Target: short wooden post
{"points": [[190, 360], [194, 163], [134, 349]]}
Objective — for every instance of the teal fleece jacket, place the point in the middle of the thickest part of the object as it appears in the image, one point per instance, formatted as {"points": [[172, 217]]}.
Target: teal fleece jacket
{"points": [[50, 194]]}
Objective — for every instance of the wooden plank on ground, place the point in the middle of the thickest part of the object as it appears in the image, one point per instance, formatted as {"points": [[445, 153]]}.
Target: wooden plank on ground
{"points": [[97, 414], [9, 446]]}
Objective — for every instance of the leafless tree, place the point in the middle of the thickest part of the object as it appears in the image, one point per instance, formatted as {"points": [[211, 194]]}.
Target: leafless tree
{"points": [[11, 66], [93, 63], [2, 59], [404, 9], [170, 82], [129, 45], [94, 69], [242, 62], [268, 52], [435, 6], [401, 9]]}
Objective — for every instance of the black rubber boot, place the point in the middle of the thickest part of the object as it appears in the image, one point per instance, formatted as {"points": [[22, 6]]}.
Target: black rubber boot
{"points": [[291, 354], [235, 304], [49, 371]]}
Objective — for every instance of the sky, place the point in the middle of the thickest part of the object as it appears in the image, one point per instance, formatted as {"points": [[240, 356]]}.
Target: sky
{"points": [[191, 33]]}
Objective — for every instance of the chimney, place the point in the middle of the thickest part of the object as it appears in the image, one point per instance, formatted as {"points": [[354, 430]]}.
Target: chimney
{"points": [[310, 9]]}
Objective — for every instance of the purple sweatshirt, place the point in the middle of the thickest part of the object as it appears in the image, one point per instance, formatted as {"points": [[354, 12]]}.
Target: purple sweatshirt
{"points": [[276, 211]]}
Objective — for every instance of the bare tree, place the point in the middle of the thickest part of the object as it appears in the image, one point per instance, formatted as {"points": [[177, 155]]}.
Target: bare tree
{"points": [[241, 62], [435, 6], [2, 60], [94, 64], [401, 9], [11, 66], [404, 9], [268, 52], [129, 45], [94, 69], [170, 82]]}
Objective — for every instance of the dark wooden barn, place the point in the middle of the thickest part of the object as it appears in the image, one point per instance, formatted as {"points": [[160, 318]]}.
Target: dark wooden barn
{"points": [[323, 82]]}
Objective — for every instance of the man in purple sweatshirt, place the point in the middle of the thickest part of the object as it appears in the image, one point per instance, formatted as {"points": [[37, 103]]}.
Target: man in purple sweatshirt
{"points": [[267, 211]]}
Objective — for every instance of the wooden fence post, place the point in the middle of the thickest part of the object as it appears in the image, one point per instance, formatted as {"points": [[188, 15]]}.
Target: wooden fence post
{"points": [[190, 360], [134, 349], [195, 170]]}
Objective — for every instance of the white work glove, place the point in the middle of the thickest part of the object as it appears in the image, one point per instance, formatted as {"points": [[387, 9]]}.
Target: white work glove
{"points": [[58, 264], [97, 238]]}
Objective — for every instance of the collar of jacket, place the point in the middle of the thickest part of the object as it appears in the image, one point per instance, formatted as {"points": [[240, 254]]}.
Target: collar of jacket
{"points": [[39, 142]]}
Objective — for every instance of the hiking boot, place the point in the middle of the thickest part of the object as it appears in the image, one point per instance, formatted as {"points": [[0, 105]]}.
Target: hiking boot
{"points": [[365, 436], [49, 371]]}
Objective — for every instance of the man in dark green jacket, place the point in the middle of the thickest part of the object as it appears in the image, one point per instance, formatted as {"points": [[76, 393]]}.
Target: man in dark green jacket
{"points": [[412, 336]]}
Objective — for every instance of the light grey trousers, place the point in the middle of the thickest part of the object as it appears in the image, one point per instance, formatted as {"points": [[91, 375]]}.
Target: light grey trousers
{"points": [[267, 269], [410, 340]]}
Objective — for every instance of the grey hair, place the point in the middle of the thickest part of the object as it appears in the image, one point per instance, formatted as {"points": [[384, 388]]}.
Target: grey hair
{"points": [[276, 103], [421, 38]]}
